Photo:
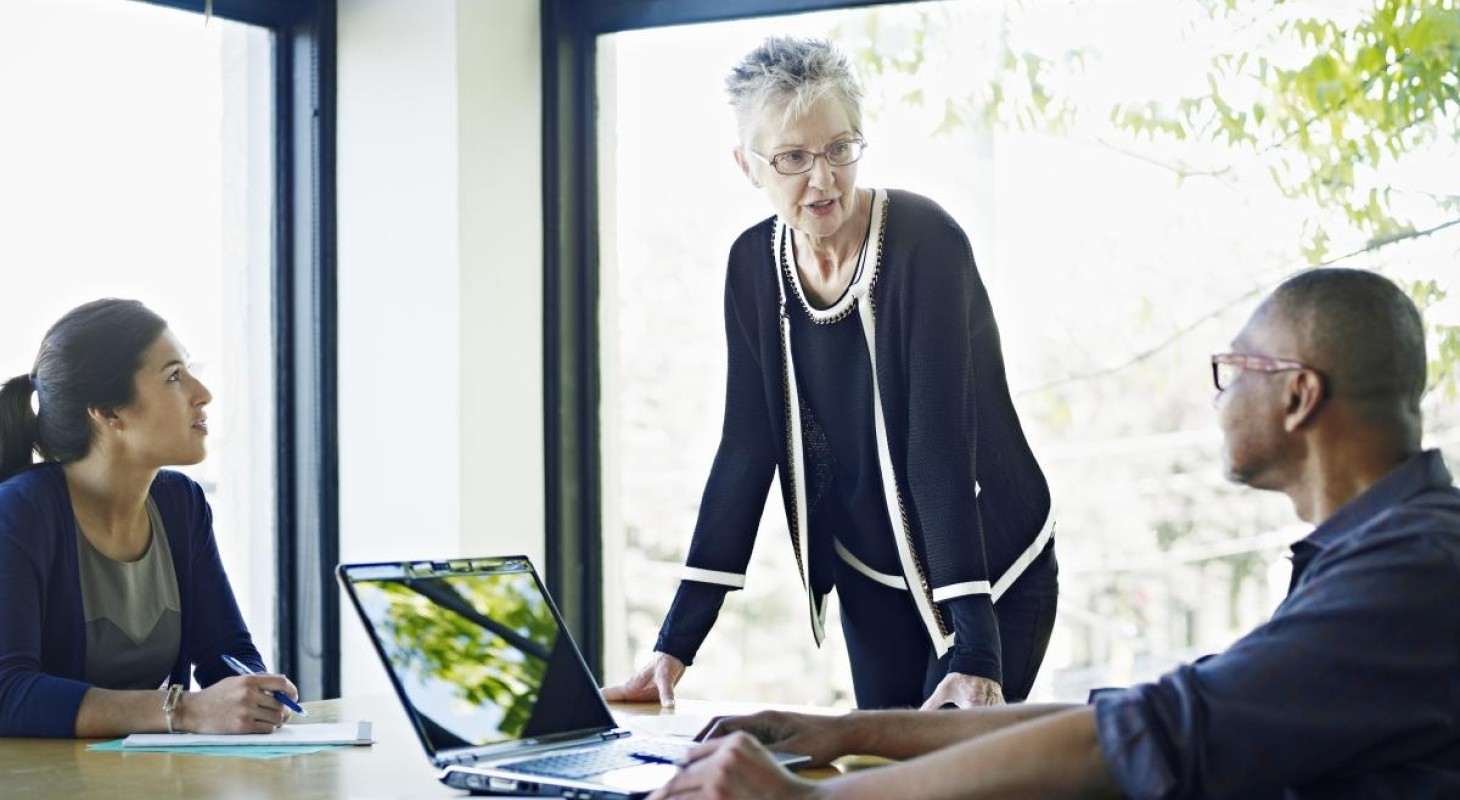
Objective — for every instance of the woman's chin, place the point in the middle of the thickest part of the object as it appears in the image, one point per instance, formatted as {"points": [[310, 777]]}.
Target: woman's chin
{"points": [[820, 227]]}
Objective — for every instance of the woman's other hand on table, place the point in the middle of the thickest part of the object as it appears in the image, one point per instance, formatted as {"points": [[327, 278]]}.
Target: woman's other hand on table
{"points": [[655, 681], [965, 691]]}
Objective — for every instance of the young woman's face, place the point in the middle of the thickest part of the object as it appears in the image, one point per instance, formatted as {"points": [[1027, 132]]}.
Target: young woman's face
{"points": [[165, 424]]}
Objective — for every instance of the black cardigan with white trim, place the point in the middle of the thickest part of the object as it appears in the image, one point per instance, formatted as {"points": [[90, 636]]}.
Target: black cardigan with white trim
{"points": [[971, 502]]}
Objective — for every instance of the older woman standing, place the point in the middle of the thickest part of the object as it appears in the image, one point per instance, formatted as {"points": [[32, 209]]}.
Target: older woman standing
{"points": [[864, 367]]}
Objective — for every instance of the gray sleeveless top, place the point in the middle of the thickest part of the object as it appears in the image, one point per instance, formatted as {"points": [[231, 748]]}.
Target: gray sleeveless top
{"points": [[133, 616]]}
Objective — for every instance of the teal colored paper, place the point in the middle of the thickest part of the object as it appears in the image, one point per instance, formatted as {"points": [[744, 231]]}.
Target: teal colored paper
{"points": [[235, 751]]}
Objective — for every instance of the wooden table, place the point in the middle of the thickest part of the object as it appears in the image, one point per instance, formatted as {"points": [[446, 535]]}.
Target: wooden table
{"points": [[394, 767]]}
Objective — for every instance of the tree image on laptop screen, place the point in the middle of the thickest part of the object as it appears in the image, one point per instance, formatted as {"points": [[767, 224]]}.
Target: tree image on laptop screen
{"points": [[472, 655]]}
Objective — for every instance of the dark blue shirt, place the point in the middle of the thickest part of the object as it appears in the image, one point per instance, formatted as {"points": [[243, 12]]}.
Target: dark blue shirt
{"points": [[1352, 689]]}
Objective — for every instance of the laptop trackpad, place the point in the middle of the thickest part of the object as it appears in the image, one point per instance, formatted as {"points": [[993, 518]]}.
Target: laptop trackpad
{"points": [[644, 778]]}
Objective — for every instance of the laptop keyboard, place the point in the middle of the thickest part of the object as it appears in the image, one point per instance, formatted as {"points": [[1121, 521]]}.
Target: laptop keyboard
{"points": [[609, 756]]}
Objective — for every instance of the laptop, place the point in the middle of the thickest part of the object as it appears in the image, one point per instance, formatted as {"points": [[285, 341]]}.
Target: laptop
{"points": [[494, 686]]}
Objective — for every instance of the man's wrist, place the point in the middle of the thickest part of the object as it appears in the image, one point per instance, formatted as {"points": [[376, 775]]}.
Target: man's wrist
{"points": [[855, 734]]}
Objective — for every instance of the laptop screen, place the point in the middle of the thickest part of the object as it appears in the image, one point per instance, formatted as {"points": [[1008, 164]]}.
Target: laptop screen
{"points": [[476, 650]]}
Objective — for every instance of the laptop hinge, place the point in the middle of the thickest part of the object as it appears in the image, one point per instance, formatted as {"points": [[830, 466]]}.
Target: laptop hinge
{"points": [[616, 733]]}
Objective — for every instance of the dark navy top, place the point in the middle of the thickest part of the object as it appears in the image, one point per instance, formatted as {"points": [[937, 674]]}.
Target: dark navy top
{"points": [[42, 626], [1351, 690], [845, 500]]}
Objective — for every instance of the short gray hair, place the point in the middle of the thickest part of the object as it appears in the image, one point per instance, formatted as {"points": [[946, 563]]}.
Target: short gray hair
{"points": [[793, 74]]}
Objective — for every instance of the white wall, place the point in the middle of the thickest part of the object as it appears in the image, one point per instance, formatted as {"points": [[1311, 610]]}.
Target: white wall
{"points": [[440, 287], [500, 147]]}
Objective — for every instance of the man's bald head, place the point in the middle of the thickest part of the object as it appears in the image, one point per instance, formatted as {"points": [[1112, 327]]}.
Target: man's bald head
{"points": [[1365, 335]]}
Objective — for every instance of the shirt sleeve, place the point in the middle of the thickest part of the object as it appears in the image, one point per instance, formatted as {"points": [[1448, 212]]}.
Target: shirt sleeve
{"points": [[216, 627], [696, 606], [976, 647], [943, 413], [32, 702], [740, 478], [977, 494], [1357, 669]]}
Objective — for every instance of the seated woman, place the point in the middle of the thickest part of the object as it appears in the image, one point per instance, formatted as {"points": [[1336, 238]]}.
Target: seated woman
{"points": [[112, 594]]}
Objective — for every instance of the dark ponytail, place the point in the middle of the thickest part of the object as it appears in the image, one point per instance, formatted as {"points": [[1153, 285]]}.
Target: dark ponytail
{"points": [[17, 425], [87, 360]]}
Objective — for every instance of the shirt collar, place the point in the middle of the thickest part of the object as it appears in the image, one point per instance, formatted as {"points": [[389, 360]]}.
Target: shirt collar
{"points": [[1421, 473]]}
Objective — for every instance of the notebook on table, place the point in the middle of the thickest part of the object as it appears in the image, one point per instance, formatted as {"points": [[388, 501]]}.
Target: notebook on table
{"points": [[302, 733], [494, 686]]}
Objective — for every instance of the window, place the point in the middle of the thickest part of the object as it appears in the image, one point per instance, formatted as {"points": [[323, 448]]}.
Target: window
{"points": [[1117, 258], [137, 160]]}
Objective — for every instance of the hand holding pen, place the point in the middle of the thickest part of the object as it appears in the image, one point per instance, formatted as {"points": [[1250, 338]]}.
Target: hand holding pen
{"points": [[243, 669]]}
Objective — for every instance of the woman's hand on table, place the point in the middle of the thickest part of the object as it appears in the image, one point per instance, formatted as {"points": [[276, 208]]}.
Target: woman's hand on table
{"points": [[236, 705], [655, 681], [965, 691]]}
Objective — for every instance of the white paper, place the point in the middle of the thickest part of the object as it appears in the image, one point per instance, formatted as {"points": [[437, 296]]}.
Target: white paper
{"points": [[674, 725], [298, 733]]}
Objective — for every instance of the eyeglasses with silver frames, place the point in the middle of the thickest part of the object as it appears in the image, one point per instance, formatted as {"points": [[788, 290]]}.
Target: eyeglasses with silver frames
{"points": [[796, 162]]}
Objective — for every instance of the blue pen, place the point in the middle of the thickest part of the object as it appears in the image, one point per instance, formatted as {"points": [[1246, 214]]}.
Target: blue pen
{"points": [[242, 669], [651, 758]]}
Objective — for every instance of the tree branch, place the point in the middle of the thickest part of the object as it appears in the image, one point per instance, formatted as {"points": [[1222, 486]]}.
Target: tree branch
{"points": [[1181, 170], [1151, 352], [1340, 105], [1260, 288], [1385, 241]]}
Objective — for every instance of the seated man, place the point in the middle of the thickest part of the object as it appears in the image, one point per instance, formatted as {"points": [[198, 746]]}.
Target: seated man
{"points": [[1352, 689]]}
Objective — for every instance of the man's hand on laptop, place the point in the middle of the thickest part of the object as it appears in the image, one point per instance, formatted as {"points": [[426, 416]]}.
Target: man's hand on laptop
{"points": [[735, 766], [821, 737], [655, 681]]}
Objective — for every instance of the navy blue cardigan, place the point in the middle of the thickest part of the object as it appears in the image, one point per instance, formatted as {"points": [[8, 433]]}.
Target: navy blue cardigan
{"points": [[42, 633]]}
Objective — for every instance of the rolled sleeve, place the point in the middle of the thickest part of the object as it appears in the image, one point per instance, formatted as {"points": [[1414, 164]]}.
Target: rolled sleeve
{"points": [[39, 705], [1133, 754], [32, 702]]}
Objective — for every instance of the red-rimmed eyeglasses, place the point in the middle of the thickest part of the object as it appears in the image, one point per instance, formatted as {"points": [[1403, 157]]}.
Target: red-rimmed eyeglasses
{"points": [[1225, 367]]}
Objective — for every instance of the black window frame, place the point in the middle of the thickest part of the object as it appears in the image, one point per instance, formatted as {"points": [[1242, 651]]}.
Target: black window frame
{"points": [[571, 391], [304, 327]]}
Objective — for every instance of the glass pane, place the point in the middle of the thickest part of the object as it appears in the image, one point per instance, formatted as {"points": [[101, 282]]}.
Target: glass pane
{"points": [[1117, 258], [136, 161]]}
